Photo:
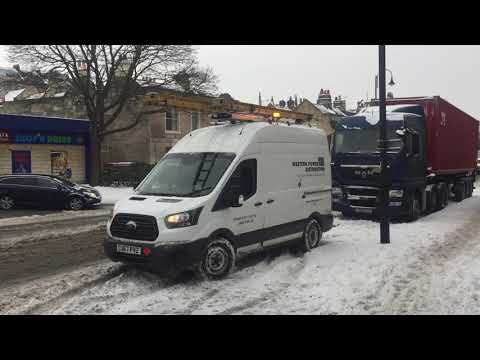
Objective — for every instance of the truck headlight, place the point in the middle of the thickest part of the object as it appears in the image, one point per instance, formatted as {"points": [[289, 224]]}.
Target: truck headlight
{"points": [[187, 218], [396, 193]]}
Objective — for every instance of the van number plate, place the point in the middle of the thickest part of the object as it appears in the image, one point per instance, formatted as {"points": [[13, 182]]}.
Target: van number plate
{"points": [[127, 249]]}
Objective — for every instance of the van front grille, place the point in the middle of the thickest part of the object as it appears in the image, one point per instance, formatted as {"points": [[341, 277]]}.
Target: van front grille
{"points": [[135, 227]]}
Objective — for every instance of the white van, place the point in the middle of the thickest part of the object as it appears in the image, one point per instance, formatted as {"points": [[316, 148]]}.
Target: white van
{"points": [[224, 191]]}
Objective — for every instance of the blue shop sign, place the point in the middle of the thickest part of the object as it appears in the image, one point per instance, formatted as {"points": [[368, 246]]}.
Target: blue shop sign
{"points": [[45, 139]]}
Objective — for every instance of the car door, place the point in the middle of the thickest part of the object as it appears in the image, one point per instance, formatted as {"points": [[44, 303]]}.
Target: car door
{"points": [[246, 221], [25, 190], [48, 192]]}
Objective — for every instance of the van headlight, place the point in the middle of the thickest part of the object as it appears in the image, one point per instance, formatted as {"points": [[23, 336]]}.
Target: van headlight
{"points": [[396, 193], [183, 219]]}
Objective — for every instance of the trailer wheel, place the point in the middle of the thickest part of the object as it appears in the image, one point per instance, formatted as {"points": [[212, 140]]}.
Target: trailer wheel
{"points": [[459, 191], [433, 201], [444, 195]]}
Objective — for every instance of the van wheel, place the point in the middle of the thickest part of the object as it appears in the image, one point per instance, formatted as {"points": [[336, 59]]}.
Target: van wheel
{"points": [[6, 202], [312, 235], [75, 204], [218, 259]]}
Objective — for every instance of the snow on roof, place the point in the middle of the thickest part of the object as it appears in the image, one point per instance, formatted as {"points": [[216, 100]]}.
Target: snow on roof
{"points": [[339, 112], [11, 95], [325, 110], [36, 96]]}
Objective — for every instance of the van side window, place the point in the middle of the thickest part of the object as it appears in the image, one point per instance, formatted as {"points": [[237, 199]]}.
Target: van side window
{"points": [[245, 178]]}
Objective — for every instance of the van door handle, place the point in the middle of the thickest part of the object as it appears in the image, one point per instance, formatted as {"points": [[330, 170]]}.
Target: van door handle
{"points": [[258, 203], [269, 201]]}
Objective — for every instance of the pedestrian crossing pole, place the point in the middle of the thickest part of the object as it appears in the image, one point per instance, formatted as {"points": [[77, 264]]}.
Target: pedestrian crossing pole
{"points": [[384, 192]]}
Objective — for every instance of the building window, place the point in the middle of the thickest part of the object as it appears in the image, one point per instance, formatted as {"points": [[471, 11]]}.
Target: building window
{"points": [[171, 120], [21, 162], [195, 117]]}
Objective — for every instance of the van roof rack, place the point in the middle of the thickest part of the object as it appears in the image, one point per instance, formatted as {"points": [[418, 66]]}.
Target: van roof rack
{"points": [[234, 117]]}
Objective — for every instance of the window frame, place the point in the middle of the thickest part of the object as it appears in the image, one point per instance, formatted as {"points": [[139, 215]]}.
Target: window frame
{"points": [[198, 120], [172, 110]]}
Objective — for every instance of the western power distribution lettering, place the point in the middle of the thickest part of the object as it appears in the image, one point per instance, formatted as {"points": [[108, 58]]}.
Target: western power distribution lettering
{"points": [[311, 166]]}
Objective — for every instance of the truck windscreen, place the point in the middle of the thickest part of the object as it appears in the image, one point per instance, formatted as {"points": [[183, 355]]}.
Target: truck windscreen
{"points": [[356, 139], [186, 174]]}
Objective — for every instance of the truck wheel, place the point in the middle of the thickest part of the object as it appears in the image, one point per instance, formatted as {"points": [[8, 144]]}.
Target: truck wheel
{"points": [[414, 211], [459, 191], [311, 236], [6, 202], [433, 201], [469, 191], [218, 259]]}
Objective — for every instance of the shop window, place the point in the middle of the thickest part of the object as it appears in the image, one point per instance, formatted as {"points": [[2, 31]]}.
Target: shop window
{"points": [[59, 162], [171, 120], [21, 162]]}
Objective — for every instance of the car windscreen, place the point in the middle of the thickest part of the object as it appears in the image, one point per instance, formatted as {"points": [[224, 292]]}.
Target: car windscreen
{"points": [[186, 174], [365, 139]]}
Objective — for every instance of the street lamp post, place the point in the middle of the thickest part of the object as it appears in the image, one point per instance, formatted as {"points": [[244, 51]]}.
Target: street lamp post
{"points": [[391, 83], [384, 191]]}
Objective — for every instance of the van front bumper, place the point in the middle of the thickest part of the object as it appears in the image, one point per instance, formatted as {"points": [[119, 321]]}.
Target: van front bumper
{"points": [[163, 258]]}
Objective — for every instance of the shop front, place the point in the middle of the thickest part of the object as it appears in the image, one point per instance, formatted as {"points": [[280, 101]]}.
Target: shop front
{"points": [[44, 145]]}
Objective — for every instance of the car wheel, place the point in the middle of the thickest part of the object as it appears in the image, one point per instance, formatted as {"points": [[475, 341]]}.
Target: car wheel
{"points": [[75, 204], [6, 202], [312, 235], [218, 259]]}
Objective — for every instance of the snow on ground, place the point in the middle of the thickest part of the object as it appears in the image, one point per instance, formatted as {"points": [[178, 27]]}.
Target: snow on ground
{"points": [[110, 195], [431, 266]]}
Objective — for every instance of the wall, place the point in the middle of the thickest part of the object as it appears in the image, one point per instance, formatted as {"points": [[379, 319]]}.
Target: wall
{"points": [[320, 120]]}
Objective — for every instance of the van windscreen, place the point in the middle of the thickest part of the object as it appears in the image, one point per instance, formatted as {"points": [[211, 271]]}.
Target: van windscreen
{"points": [[186, 174]]}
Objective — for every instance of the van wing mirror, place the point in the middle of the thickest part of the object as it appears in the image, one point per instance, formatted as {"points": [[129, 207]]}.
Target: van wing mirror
{"points": [[232, 198]]}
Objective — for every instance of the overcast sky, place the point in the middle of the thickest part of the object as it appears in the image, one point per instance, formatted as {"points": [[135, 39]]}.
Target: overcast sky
{"points": [[281, 71]]}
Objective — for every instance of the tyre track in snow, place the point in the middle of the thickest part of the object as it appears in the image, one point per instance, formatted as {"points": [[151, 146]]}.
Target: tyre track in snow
{"points": [[55, 302], [225, 296], [408, 289]]}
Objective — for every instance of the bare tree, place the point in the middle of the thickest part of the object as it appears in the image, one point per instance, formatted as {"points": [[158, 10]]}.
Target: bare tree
{"points": [[106, 77]]}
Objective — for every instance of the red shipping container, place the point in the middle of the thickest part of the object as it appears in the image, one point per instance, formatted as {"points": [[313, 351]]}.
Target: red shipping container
{"points": [[452, 135]]}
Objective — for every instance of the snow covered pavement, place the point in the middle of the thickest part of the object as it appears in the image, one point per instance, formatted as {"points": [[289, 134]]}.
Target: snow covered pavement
{"points": [[431, 266]]}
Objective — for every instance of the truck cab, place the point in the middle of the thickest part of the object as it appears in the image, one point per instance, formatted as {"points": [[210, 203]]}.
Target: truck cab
{"points": [[356, 167]]}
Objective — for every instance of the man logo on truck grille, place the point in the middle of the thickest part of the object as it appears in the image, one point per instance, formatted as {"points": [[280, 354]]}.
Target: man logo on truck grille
{"points": [[131, 226]]}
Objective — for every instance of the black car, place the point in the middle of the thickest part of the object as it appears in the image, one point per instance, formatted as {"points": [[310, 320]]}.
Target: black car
{"points": [[45, 191]]}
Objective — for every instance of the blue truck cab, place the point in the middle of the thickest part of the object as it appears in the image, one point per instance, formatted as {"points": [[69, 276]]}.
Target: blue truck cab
{"points": [[356, 167]]}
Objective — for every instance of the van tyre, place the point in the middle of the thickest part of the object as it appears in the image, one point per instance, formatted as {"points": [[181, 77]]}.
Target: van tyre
{"points": [[312, 235], [6, 202], [218, 259], [75, 203]]}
